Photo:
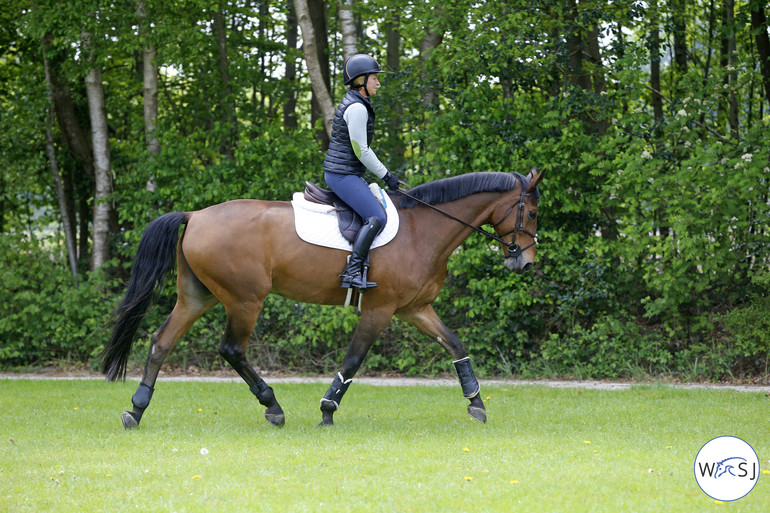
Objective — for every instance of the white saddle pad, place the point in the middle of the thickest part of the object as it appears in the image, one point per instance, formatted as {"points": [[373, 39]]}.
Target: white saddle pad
{"points": [[317, 224]]}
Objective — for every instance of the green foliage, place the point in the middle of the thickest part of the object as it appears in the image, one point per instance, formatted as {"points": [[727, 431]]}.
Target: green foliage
{"points": [[654, 227], [747, 341], [45, 317]]}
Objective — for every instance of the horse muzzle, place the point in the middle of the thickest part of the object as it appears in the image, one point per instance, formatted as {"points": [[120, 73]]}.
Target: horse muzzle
{"points": [[518, 264]]}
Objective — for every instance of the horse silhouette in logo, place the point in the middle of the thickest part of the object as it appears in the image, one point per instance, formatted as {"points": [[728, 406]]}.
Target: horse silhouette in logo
{"points": [[723, 467]]}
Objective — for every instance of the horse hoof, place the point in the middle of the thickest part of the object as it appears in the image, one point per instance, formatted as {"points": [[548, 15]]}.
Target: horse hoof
{"points": [[129, 421], [276, 419], [477, 413], [325, 423]]}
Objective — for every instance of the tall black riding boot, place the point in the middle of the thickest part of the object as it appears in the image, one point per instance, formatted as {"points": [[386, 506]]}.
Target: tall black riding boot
{"points": [[354, 274]]}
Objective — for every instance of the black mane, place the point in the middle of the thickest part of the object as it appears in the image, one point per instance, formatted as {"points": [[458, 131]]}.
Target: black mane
{"points": [[455, 187]]}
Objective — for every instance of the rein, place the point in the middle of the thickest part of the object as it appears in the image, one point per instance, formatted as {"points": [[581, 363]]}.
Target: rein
{"points": [[514, 250]]}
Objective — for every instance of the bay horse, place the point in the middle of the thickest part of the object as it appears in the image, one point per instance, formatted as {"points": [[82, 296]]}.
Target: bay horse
{"points": [[237, 252]]}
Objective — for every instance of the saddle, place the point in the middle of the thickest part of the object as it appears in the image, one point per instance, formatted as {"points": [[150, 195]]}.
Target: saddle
{"points": [[349, 221]]}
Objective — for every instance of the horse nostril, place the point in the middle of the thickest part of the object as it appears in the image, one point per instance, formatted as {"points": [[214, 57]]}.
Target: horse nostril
{"points": [[527, 266]]}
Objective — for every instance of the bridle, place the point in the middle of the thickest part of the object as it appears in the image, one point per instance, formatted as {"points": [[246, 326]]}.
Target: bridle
{"points": [[514, 250]]}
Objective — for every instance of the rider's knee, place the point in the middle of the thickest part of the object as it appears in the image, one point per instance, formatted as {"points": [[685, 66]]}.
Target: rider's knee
{"points": [[377, 222]]}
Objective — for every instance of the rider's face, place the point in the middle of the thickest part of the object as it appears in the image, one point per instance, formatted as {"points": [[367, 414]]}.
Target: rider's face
{"points": [[372, 84]]}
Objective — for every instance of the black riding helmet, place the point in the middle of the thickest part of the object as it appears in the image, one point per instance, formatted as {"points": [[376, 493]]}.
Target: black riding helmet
{"points": [[358, 65]]}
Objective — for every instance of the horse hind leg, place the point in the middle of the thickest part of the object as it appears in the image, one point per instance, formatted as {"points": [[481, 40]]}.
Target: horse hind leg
{"points": [[185, 313], [240, 324], [369, 328]]}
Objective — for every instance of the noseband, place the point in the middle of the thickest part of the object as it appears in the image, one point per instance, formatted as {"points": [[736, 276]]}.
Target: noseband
{"points": [[514, 250]]}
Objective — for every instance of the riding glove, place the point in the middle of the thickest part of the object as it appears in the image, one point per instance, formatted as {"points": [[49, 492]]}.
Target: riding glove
{"points": [[391, 181]]}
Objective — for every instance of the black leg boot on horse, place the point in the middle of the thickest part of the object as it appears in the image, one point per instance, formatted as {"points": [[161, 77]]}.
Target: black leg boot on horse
{"points": [[354, 274]]}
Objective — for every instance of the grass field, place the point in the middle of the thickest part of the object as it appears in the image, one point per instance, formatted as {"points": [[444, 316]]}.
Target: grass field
{"points": [[207, 447]]}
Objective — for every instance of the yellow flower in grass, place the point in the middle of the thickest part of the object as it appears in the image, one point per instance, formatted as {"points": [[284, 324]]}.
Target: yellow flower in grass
{"points": [[587, 442], [196, 476], [466, 449], [468, 478], [766, 471], [514, 481]]}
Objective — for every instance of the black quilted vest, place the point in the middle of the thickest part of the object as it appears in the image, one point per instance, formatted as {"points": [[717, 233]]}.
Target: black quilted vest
{"points": [[340, 157]]}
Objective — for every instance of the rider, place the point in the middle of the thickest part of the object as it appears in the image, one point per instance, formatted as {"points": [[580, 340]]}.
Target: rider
{"points": [[349, 157]]}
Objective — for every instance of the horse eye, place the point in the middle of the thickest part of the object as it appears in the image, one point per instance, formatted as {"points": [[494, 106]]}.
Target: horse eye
{"points": [[532, 215]]}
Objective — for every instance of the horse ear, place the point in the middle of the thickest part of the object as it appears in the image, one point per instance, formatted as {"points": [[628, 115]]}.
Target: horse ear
{"points": [[534, 179]]}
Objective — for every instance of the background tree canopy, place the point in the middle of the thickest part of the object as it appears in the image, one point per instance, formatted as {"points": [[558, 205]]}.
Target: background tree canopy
{"points": [[649, 118]]}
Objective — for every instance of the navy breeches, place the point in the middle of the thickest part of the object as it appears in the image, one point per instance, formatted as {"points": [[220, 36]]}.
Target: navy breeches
{"points": [[354, 191]]}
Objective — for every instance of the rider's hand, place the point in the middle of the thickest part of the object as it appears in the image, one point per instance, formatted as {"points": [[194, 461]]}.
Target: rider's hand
{"points": [[391, 181]]}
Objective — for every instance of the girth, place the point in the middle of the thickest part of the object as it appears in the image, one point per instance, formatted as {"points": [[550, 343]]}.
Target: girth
{"points": [[349, 221]]}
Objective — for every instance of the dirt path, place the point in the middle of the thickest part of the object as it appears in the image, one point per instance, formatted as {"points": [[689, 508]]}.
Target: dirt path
{"points": [[225, 377]]}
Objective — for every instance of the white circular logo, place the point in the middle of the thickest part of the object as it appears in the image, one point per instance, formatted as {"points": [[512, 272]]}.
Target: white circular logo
{"points": [[726, 468]]}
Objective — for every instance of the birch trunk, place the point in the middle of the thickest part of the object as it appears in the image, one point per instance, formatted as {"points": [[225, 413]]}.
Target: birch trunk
{"points": [[102, 209], [310, 51], [348, 29]]}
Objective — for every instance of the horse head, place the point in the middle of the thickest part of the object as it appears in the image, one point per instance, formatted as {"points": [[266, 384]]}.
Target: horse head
{"points": [[726, 468], [520, 222]]}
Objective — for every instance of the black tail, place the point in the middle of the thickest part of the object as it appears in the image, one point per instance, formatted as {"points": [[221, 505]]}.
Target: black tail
{"points": [[153, 258]]}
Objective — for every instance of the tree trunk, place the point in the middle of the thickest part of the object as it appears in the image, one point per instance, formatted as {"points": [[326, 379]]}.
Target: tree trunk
{"points": [[102, 208], [348, 29], [66, 219], [759, 27], [679, 18], [597, 120], [150, 88], [84, 229], [394, 66], [575, 47], [264, 109], [593, 52], [75, 139], [74, 134], [732, 111], [227, 107], [430, 41], [290, 106], [318, 10], [657, 98], [585, 62], [310, 50], [2, 202]]}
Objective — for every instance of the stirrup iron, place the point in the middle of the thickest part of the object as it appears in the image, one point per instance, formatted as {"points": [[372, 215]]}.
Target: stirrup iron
{"points": [[353, 278]]}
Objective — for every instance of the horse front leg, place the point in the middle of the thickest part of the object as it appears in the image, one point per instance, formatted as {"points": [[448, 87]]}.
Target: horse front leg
{"points": [[425, 319], [369, 328]]}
